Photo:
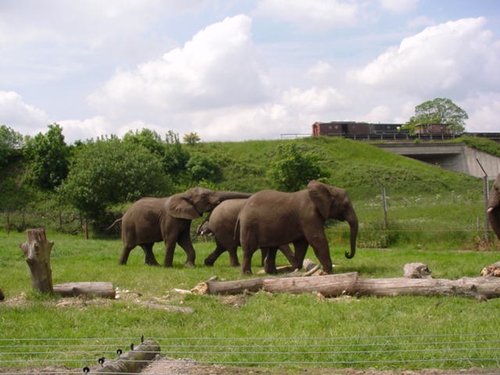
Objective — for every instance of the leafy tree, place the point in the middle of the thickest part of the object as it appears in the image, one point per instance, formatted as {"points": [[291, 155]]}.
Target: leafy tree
{"points": [[108, 172], [294, 167], [11, 143], [175, 157], [149, 139], [201, 167], [438, 111], [48, 157], [191, 138]]}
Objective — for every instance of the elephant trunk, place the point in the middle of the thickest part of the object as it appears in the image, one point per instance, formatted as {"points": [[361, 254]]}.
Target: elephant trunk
{"points": [[353, 224]]}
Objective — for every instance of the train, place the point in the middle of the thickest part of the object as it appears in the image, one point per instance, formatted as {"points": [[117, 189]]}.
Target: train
{"points": [[386, 131]]}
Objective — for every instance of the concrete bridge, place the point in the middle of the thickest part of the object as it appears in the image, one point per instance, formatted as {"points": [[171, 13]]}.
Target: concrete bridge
{"points": [[456, 157]]}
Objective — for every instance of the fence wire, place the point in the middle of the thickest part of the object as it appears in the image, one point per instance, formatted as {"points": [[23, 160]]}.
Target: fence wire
{"points": [[71, 356]]}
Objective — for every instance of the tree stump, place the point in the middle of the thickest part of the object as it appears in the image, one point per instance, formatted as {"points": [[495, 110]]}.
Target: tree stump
{"points": [[37, 253]]}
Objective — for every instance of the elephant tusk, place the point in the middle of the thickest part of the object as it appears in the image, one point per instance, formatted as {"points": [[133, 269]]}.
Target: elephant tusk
{"points": [[490, 209]]}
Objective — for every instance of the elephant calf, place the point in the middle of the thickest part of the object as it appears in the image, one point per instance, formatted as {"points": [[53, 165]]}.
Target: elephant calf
{"points": [[270, 218], [221, 223]]}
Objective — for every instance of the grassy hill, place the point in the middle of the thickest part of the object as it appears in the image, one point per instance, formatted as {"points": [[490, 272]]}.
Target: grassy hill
{"points": [[359, 167]]}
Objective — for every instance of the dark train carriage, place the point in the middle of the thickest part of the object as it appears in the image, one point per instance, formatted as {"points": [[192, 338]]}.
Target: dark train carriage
{"points": [[327, 128]]}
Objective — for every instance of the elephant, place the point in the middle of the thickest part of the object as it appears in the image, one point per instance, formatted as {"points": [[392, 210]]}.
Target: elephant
{"points": [[270, 218], [221, 223], [168, 219], [493, 209]]}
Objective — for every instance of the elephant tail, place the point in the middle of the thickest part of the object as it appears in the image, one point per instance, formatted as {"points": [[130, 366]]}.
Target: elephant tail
{"points": [[236, 235], [114, 223]]}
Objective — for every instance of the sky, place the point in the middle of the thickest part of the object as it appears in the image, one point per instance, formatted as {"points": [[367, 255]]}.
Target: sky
{"points": [[234, 70]]}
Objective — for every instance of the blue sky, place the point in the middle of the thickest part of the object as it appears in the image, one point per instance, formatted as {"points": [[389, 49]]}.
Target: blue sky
{"points": [[238, 70]]}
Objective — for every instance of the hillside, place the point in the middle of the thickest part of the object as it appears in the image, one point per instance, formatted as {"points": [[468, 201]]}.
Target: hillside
{"points": [[357, 166]]}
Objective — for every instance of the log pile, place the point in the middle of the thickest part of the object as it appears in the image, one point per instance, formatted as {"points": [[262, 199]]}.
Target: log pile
{"points": [[417, 283]]}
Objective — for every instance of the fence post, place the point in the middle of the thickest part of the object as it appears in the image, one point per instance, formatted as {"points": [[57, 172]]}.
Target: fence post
{"points": [[384, 204]]}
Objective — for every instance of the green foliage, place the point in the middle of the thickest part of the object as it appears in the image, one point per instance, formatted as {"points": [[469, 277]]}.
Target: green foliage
{"points": [[201, 167], [481, 144], [191, 138], [294, 167], [438, 111], [146, 138], [175, 157], [11, 143], [48, 158], [107, 172]]}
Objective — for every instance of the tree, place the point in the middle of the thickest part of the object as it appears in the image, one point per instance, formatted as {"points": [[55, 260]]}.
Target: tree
{"points": [[201, 167], [149, 139], [11, 143], [175, 156], [293, 168], [108, 172], [191, 138], [438, 111], [48, 158]]}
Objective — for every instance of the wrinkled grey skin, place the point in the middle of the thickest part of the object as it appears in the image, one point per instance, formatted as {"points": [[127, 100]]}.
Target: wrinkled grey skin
{"points": [[221, 223], [493, 209], [151, 220], [270, 218]]}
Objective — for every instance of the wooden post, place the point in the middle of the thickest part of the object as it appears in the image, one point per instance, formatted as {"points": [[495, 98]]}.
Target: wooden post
{"points": [[2, 296], [132, 361], [37, 252]]}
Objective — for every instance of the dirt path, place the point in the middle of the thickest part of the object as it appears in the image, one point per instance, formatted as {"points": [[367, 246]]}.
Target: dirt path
{"points": [[190, 367]]}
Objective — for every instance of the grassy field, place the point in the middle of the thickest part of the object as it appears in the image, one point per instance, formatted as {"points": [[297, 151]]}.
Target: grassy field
{"points": [[269, 330]]}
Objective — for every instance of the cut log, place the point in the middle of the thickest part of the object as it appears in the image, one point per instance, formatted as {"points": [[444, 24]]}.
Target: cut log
{"points": [[37, 253], [91, 289], [479, 287], [234, 287], [328, 285], [351, 284], [133, 361]]}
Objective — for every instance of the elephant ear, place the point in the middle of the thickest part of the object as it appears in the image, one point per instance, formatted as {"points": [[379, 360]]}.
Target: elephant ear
{"points": [[180, 207], [321, 197]]}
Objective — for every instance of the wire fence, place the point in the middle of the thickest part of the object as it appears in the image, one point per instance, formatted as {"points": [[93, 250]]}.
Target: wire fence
{"points": [[72, 356]]}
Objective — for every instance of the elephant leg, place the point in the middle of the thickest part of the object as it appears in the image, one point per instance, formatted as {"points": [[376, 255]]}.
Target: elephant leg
{"points": [[494, 219], [125, 253], [270, 261], [263, 255], [184, 241], [233, 257], [246, 264], [169, 252], [290, 256], [214, 255], [319, 244], [149, 255], [300, 253]]}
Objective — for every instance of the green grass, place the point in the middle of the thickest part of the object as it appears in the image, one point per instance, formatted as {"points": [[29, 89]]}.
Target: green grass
{"points": [[401, 332]]}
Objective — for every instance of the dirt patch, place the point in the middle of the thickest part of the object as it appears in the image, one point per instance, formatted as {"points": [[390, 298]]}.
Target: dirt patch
{"points": [[191, 367]]}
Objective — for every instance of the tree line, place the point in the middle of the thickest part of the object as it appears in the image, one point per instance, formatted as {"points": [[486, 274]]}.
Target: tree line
{"points": [[93, 176]]}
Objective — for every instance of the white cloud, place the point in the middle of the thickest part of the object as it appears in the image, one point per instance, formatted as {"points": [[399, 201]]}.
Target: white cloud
{"points": [[399, 6], [218, 67], [314, 100], [483, 110], [311, 14], [447, 59], [22, 117]]}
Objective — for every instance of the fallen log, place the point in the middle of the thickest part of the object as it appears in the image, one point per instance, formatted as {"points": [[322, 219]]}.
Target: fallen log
{"points": [[37, 253], [91, 289], [133, 361], [328, 285], [351, 284]]}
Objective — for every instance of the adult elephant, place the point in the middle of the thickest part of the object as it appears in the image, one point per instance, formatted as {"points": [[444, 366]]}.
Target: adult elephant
{"points": [[493, 209], [151, 220], [270, 218], [221, 223]]}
